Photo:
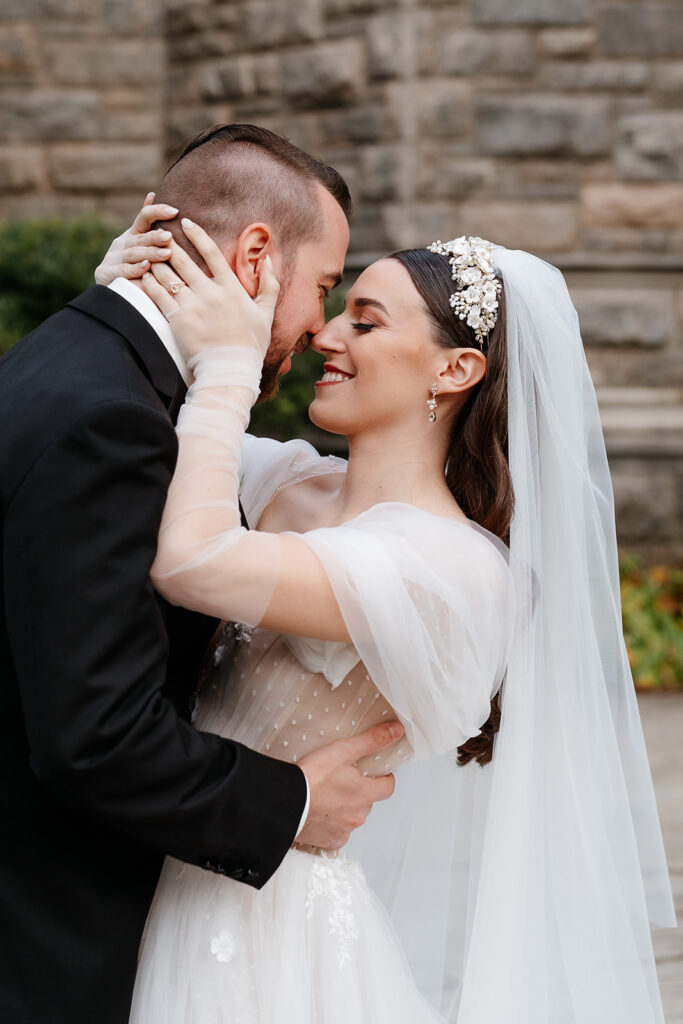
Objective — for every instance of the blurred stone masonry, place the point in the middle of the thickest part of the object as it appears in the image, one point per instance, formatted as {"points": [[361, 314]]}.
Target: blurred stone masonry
{"points": [[81, 110], [549, 125]]}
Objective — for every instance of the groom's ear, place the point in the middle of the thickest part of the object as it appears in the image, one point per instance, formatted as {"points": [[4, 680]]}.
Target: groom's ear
{"points": [[253, 243]]}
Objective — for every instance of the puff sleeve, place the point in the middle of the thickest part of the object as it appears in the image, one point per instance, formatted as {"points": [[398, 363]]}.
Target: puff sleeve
{"points": [[429, 604]]}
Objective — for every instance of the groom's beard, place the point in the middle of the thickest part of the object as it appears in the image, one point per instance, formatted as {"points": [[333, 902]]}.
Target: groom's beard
{"points": [[270, 381], [270, 374]]}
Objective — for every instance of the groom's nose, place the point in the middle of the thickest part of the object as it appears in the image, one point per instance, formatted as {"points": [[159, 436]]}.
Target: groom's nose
{"points": [[317, 326]]}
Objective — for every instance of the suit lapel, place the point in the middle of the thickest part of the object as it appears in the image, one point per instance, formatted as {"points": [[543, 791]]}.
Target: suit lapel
{"points": [[111, 309]]}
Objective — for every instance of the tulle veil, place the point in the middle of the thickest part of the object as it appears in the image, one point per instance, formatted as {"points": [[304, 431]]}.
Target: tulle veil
{"points": [[525, 891]]}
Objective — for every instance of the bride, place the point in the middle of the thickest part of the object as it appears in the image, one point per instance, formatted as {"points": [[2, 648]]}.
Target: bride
{"points": [[521, 888]]}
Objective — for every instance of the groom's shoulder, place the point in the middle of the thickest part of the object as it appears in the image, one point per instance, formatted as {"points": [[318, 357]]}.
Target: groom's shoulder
{"points": [[73, 361], [72, 373]]}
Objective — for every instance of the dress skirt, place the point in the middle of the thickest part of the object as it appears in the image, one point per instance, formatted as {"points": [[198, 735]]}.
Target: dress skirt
{"points": [[313, 946]]}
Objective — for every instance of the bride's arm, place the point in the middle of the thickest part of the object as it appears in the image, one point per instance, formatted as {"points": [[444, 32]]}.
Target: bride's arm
{"points": [[206, 560]]}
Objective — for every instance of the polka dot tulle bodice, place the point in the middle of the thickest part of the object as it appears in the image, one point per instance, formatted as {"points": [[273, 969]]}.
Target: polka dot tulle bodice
{"points": [[283, 705], [314, 944]]}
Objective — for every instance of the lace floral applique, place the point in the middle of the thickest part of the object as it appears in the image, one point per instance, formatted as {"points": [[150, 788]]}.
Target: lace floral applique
{"points": [[223, 947], [331, 878]]}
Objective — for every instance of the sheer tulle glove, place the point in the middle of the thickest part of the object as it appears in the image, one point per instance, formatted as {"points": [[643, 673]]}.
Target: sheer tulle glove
{"points": [[202, 519], [207, 311], [224, 334]]}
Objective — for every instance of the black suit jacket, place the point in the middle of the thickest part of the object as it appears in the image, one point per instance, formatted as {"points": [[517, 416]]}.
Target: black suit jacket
{"points": [[100, 771]]}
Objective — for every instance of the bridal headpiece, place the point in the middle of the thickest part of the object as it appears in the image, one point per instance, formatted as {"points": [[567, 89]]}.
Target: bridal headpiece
{"points": [[476, 300]]}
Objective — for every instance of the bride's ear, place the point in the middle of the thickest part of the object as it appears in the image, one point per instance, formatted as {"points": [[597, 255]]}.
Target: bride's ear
{"points": [[254, 242], [460, 370]]}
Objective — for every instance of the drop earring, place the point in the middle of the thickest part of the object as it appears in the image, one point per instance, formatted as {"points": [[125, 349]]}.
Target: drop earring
{"points": [[431, 404]]}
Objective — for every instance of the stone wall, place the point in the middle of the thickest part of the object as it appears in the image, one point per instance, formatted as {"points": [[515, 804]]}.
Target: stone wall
{"points": [[81, 105], [551, 125]]}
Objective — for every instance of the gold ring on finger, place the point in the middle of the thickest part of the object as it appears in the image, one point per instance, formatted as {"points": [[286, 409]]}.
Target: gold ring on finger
{"points": [[175, 287]]}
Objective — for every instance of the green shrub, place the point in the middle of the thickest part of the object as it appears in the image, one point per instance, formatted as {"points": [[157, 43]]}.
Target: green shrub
{"points": [[44, 264], [652, 606]]}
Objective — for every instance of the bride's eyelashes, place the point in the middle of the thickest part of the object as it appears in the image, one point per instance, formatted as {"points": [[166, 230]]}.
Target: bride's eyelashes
{"points": [[363, 327]]}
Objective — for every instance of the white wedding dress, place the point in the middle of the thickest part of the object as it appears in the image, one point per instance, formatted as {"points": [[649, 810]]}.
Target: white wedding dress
{"points": [[429, 602]]}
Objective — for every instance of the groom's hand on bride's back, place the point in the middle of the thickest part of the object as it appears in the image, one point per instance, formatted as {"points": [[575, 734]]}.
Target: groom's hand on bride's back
{"points": [[341, 796]]}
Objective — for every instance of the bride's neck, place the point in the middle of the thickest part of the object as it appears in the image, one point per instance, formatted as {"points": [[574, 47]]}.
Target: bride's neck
{"points": [[386, 465]]}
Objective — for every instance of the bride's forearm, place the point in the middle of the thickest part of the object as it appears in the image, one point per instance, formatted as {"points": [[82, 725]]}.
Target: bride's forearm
{"points": [[206, 560], [202, 510], [201, 520]]}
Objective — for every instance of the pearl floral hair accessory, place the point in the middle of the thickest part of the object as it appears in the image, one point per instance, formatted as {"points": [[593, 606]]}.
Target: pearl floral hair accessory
{"points": [[472, 270]]}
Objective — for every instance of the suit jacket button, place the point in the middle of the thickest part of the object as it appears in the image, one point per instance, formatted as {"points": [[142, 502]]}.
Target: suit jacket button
{"points": [[252, 875]]}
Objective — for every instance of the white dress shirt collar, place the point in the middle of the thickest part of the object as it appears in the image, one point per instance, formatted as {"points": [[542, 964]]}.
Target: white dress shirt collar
{"points": [[156, 320]]}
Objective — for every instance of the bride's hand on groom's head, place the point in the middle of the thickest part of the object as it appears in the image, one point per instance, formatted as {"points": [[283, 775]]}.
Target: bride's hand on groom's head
{"points": [[133, 252], [211, 311]]}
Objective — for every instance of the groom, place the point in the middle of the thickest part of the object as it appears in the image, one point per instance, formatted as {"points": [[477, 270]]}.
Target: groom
{"points": [[102, 774]]}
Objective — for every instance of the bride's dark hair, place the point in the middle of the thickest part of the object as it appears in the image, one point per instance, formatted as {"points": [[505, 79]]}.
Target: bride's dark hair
{"points": [[477, 469]]}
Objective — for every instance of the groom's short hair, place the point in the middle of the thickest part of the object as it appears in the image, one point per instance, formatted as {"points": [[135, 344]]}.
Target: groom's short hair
{"points": [[233, 175]]}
